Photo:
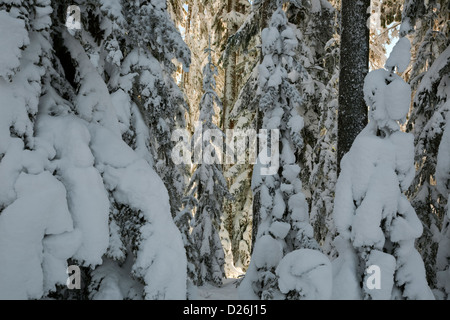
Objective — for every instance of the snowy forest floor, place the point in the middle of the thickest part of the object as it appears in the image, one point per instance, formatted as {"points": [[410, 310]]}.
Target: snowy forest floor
{"points": [[228, 291]]}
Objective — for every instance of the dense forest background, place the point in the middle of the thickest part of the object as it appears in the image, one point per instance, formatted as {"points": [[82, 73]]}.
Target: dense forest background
{"points": [[359, 92]]}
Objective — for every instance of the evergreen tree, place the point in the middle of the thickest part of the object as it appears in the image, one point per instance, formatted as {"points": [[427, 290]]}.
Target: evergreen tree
{"points": [[314, 21], [284, 224], [324, 173], [443, 177], [314, 28], [239, 174], [318, 31], [236, 219], [184, 220], [34, 214], [208, 184], [376, 224], [89, 151], [429, 27]]}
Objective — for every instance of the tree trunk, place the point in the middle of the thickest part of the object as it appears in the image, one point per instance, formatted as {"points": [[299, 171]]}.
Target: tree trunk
{"points": [[230, 73], [354, 65]]}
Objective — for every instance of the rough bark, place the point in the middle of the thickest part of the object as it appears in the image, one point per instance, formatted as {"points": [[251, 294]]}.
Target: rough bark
{"points": [[354, 62]]}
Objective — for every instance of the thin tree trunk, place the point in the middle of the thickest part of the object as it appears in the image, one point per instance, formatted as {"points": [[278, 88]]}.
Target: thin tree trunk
{"points": [[230, 73]]}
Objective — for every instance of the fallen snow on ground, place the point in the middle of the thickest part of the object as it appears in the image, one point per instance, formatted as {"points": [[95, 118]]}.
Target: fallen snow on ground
{"points": [[228, 291]]}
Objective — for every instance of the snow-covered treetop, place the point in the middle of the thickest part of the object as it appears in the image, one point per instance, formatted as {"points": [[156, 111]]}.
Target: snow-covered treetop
{"points": [[386, 93], [210, 97]]}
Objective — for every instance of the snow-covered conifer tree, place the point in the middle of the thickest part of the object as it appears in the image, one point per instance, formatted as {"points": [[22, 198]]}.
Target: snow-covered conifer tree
{"points": [[324, 173], [427, 24], [284, 217], [376, 224], [184, 220], [443, 183], [154, 91], [80, 188], [240, 115], [237, 212], [314, 22], [438, 75], [207, 184], [314, 28], [37, 233]]}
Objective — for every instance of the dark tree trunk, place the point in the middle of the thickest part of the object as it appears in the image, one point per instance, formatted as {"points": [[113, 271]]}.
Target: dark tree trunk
{"points": [[354, 60]]}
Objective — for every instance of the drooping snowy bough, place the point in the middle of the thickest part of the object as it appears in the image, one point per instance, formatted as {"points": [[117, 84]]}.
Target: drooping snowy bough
{"points": [[283, 212], [377, 225], [77, 182]]}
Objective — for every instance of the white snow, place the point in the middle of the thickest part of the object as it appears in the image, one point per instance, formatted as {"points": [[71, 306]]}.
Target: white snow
{"points": [[400, 55], [93, 99], [388, 102], [307, 272], [13, 37], [346, 281], [411, 272], [398, 99], [279, 229], [161, 260], [432, 73], [267, 252], [443, 185], [443, 162], [70, 138], [386, 264], [443, 254], [228, 291], [32, 264], [371, 212], [66, 171], [115, 282]]}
